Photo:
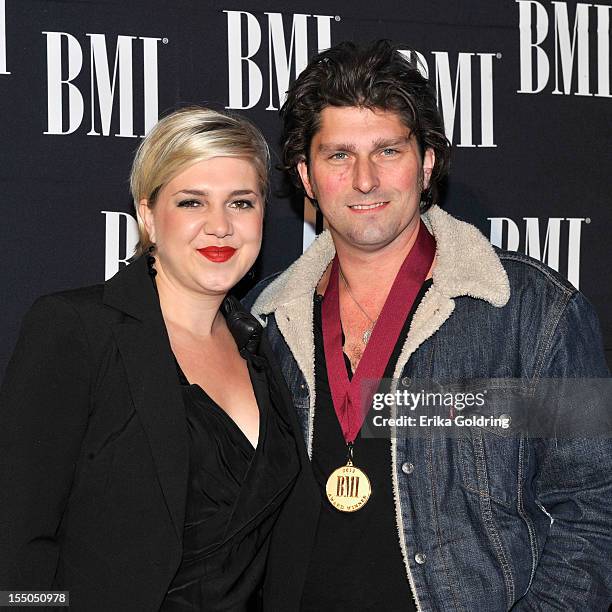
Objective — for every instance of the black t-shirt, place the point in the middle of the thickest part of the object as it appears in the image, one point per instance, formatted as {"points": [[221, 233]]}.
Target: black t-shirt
{"points": [[356, 562]]}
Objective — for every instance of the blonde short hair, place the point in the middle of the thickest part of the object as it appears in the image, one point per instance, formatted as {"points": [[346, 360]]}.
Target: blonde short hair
{"points": [[185, 137]]}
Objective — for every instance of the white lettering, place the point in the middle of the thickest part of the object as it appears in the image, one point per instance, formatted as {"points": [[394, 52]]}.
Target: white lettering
{"points": [[571, 48], [497, 232], [278, 56], [486, 100], [323, 32], [603, 51], [113, 259], [421, 62], [56, 85], [150, 82], [573, 251], [103, 84], [551, 251], [527, 45], [447, 96], [3, 69], [235, 59], [280, 59], [565, 49]]}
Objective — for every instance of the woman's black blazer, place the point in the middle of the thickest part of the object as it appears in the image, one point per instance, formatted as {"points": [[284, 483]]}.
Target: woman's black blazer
{"points": [[94, 449]]}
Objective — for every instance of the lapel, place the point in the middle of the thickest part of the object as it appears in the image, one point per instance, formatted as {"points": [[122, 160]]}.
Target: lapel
{"points": [[145, 349]]}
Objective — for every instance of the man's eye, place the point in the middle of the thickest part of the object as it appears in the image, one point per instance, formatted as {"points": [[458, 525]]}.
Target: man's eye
{"points": [[189, 203], [389, 152], [242, 204], [339, 155]]}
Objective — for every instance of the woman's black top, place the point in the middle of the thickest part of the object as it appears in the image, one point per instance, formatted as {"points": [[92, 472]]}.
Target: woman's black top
{"points": [[234, 492], [356, 562]]}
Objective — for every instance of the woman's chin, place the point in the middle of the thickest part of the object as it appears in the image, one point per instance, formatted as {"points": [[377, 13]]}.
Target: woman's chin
{"points": [[220, 284]]}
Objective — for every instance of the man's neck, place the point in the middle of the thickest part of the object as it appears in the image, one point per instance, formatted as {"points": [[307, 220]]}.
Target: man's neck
{"points": [[374, 271]]}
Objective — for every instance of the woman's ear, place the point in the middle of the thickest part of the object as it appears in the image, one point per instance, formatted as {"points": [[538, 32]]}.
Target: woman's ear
{"points": [[147, 218]]}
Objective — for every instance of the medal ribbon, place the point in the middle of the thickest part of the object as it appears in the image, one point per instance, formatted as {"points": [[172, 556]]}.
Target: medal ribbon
{"points": [[350, 403]]}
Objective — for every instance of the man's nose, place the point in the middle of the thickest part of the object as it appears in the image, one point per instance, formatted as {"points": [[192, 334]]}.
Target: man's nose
{"points": [[365, 176]]}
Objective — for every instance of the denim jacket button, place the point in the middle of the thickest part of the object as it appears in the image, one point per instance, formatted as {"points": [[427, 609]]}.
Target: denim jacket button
{"points": [[406, 381], [407, 468], [505, 418], [420, 558]]}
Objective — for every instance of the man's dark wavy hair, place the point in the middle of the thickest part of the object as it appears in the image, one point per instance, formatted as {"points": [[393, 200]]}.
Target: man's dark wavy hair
{"points": [[372, 76]]}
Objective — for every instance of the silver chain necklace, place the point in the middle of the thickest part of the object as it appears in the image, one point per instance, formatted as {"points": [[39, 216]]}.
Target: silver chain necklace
{"points": [[368, 332]]}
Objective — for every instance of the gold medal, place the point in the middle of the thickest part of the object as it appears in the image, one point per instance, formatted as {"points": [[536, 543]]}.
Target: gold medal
{"points": [[348, 488]]}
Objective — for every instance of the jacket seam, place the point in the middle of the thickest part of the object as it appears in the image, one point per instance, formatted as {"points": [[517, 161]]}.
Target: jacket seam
{"points": [[487, 513], [549, 335], [523, 514], [434, 503], [435, 509], [536, 265], [551, 447]]}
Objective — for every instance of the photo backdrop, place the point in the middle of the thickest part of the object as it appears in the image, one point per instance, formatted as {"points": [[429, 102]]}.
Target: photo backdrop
{"points": [[524, 87]]}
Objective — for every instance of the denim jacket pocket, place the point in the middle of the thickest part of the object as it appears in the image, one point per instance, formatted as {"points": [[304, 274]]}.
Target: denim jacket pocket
{"points": [[488, 439], [489, 446]]}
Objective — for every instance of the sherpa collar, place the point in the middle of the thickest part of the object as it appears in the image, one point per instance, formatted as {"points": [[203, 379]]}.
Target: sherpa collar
{"points": [[466, 264]]}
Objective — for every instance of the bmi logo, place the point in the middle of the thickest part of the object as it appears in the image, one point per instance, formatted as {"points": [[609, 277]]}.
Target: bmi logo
{"points": [[282, 58], [571, 55], [111, 84], [570, 229], [347, 486], [459, 94]]}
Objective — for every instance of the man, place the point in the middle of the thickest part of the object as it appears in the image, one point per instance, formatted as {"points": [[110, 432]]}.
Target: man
{"points": [[484, 520]]}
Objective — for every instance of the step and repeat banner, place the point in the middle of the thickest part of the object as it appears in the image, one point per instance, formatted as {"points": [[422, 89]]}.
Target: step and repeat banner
{"points": [[524, 88]]}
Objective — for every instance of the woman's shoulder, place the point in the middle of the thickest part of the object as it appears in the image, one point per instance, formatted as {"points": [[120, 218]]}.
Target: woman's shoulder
{"points": [[103, 302], [81, 301], [72, 311]]}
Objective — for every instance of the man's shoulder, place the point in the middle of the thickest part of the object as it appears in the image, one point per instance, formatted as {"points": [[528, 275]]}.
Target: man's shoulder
{"points": [[251, 297], [528, 274]]}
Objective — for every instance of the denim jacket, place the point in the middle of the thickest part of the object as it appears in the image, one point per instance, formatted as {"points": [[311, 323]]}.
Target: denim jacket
{"points": [[487, 521]]}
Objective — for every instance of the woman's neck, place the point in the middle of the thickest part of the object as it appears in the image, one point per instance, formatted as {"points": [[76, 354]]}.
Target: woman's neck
{"points": [[196, 313]]}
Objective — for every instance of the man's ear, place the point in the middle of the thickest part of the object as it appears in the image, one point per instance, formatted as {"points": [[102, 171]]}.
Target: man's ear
{"points": [[146, 217], [302, 169], [429, 161]]}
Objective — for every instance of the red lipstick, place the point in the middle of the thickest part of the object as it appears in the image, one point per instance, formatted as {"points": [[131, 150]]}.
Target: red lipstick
{"points": [[217, 254]]}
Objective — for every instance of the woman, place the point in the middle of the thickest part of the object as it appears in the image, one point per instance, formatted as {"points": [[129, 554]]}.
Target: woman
{"points": [[146, 440]]}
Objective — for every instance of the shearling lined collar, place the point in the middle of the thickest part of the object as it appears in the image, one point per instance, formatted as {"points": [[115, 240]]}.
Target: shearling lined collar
{"points": [[466, 264]]}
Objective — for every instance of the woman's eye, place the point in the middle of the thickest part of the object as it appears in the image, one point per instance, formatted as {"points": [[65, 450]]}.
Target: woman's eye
{"points": [[242, 204], [189, 203]]}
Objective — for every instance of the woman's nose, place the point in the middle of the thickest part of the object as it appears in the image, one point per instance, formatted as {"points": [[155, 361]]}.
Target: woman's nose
{"points": [[218, 222]]}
